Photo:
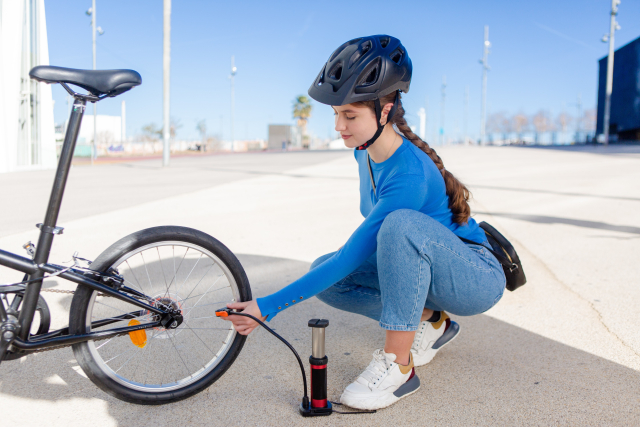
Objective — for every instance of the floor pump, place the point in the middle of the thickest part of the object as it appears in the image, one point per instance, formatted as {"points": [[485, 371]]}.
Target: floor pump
{"points": [[319, 404], [318, 361]]}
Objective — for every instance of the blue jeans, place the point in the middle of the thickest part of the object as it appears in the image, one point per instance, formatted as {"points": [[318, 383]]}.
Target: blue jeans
{"points": [[419, 264]]}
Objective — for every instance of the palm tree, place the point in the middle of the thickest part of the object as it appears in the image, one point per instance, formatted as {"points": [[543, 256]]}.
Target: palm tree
{"points": [[302, 111]]}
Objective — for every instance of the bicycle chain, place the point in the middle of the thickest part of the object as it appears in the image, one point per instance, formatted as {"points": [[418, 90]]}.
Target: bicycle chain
{"points": [[64, 291]]}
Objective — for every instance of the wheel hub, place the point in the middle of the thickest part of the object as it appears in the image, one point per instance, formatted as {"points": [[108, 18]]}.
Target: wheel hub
{"points": [[172, 304]]}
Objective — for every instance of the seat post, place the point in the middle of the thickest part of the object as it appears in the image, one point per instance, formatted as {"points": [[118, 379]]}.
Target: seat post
{"points": [[47, 229]]}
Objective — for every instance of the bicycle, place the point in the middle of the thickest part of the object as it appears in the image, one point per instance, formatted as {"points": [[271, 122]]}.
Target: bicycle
{"points": [[142, 321]]}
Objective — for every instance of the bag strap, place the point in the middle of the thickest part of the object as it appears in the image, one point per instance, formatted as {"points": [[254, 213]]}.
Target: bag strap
{"points": [[371, 173], [501, 258]]}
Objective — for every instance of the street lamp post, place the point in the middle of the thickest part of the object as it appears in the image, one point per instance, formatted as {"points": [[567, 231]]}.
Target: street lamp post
{"points": [[485, 67], [233, 98], [466, 113], [609, 37], [166, 68], [94, 30], [442, 102]]}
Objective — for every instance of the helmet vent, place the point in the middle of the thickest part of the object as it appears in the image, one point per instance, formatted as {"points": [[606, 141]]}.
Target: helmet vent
{"points": [[336, 72], [397, 55], [370, 75], [384, 41], [341, 48], [364, 48]]}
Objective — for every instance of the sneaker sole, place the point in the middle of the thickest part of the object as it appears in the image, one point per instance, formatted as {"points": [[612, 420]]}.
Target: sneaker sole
{"points": [[386, 400], [449, 335]]}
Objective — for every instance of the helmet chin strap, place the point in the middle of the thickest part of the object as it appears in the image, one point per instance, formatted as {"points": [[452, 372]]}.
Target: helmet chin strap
{"points": [[379, 117]]}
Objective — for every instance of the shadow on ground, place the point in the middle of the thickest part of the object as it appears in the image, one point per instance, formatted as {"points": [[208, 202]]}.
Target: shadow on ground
{"points": [[494, 374], [545, 219], [603, 150]]}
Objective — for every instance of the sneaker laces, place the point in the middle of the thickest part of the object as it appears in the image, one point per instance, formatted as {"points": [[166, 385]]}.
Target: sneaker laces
{"points": [[377, 368], [419, 333]]}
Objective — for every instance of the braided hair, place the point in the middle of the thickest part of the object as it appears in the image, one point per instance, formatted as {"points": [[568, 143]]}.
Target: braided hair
{"points": [[458, 193]]}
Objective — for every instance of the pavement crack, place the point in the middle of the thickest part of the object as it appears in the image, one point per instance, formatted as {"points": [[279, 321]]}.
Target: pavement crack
{"points": [[573, 291]]}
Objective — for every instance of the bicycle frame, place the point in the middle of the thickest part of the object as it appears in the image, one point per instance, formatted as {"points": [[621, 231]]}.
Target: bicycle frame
{"points": [[36, 268]]}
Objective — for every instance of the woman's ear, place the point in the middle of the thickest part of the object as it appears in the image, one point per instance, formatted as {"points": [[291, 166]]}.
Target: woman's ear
{"points": [[385, 113]]}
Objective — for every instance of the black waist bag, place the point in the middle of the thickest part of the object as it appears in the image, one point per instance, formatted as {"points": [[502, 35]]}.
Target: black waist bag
{"points": [[505, 254]]}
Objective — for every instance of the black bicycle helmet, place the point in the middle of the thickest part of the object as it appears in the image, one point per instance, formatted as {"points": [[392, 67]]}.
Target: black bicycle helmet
{"points": [[364, 69]]}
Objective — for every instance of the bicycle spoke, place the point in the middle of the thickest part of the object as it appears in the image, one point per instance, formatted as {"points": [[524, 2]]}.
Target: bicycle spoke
{"points": [[105, 343], [175, 272], [185, 280], [115, 357], [140, 359], [123, 365], [196, 296], [178, 351], [146, 370], [135, 277], [145, 269], [162, 269], [202, 305], [201, 343], [201, 281], [173, 258]]}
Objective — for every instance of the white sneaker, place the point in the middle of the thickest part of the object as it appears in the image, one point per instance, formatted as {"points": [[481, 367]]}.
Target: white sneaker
{"points": [[431, 337], [383, 383]]}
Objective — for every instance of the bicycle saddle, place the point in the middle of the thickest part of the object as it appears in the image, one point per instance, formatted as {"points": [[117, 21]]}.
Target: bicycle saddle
{"points": [[98, 82]]}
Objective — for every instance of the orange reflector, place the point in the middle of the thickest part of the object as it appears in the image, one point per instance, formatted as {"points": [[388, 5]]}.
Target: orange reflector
{"points": [[138, 338]]}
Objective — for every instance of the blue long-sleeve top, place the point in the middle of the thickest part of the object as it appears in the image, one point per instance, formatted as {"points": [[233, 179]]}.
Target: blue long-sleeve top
{"points": [[408, 179]]}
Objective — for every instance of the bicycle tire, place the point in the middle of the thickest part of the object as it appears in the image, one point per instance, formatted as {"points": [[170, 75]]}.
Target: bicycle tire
{"points": [[85, 301]]}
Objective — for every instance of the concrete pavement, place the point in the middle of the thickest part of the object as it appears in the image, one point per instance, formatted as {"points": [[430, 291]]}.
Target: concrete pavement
{"points": [[563, 350]]}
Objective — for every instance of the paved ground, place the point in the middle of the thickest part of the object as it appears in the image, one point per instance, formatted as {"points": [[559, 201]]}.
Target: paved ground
{"points": [[563, 350]]}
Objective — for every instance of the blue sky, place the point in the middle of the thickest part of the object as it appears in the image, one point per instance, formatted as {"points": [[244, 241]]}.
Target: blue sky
{"points": [[543, 54]]}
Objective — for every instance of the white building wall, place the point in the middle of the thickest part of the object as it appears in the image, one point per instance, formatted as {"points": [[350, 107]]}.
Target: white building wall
{"points": [[12, 21]]}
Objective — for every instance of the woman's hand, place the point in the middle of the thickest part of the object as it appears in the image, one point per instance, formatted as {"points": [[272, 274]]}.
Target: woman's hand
{"points": [[244, 325]]}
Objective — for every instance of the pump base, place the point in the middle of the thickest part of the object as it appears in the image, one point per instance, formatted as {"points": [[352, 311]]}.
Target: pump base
{"points": [[315, 412]]}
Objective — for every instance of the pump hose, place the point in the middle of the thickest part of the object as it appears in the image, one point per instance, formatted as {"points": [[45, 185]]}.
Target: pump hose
{"points": [[305, 398], [225, 312]]}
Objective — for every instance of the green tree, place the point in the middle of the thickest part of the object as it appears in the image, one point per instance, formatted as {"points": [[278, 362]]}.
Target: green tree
{"points": [[302, 111]]}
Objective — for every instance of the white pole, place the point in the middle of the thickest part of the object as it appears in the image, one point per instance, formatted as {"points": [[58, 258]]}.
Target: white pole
{"points": [[166, 64], [607, 99], [95, 104], [485, 68], [423, 121], [442, 101], [123, 124], [27, 86], [466, 112], [233, 99], [426, 117]]}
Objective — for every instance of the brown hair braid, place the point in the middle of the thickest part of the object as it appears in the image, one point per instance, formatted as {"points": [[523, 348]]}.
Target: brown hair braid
{"points": [[458, 193]]}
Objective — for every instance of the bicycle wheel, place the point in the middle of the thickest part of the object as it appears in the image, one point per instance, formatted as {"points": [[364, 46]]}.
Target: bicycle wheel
{"points": [[181, 267]]}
